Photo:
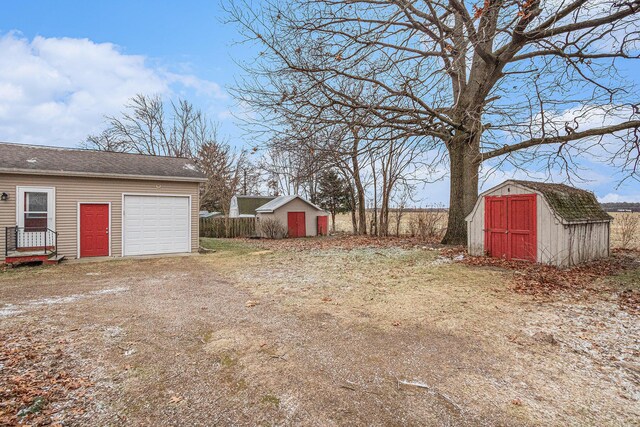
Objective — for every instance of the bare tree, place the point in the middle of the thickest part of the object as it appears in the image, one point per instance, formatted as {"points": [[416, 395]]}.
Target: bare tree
{"points": [[293, 164], [525, 83], [145, 128], [227, 173]]}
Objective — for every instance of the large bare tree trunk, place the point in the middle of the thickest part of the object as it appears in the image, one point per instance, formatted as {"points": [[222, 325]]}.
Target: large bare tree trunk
{"points": [[464, 167]]}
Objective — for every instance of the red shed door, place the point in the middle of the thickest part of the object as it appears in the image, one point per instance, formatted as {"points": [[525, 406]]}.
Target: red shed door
{"points": [[322, 225], [94, 230], [495, 224], [296, 224], [510, 227], [521, 215]]}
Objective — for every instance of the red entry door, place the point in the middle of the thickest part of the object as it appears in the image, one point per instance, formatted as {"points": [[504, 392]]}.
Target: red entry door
{"points": [[510, 226], [94, 230], [323, 225], [296, 224]]}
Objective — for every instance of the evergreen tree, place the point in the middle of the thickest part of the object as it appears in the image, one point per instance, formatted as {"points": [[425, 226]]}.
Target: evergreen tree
{"points": [[333, 195]]}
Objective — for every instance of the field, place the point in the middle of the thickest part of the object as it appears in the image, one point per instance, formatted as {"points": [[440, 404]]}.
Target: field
{"points": [[320, 332], [409, 221]]}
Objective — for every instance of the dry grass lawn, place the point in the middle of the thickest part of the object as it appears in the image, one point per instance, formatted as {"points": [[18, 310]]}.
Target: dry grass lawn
{"points": [[268, 334]]}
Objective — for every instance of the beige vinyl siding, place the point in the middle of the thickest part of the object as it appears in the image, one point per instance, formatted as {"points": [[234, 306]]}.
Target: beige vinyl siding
{"points": [[311, 215], [71, 190], [557, 243]]}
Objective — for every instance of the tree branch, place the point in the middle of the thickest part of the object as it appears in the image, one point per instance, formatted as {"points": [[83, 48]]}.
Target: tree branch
{"points": [[634, 124]]}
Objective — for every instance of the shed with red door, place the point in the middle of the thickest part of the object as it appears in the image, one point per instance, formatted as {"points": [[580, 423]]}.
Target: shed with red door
{"points": [[541, 222], [298, 216]]}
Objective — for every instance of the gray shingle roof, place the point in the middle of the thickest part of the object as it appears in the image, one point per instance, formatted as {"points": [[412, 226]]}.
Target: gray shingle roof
{"points": [[21, 158], [569, 203], [247, 205], [280, 201]]}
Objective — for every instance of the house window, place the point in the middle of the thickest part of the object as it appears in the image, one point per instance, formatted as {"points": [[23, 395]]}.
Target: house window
{"points": [[35, 211]]}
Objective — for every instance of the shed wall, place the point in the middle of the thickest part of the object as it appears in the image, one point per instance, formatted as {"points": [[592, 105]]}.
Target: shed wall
{"points": [[587, 242], [296, 205], [71, 190]]}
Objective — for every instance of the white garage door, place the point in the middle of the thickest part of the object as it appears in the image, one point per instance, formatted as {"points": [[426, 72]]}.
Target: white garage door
{"points": [[156, 225]]}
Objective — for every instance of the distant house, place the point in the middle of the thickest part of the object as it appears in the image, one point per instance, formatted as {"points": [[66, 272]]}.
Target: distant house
{"points": [[72, 203], [207, 214], [547, 223], [300, 217], [245, 206]]}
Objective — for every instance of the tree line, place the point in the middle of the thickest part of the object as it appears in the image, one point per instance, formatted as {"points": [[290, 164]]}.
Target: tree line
{"points": [[340, 179]]}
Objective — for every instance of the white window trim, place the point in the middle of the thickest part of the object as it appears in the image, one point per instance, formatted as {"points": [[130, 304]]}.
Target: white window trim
{"points": [[51, 207], [78, 224], [154, 195]]}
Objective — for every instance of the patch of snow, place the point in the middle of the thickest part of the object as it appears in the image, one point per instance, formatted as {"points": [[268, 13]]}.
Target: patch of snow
{"points": [[10, 310], [441, 261], [110, 291], [56, 300], [113, 331], [34, 160], [13, 310], [189, 167]]}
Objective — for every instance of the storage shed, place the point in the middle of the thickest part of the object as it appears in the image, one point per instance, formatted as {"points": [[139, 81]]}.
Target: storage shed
{"points": [[301, 217], [547, 223]]}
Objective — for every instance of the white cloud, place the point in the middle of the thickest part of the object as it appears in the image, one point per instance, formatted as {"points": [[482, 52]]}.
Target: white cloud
{"points": [[617, 197], [55, 91]]}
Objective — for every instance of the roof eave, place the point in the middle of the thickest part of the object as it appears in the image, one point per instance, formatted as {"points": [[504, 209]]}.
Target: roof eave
{"points": [[101, 175]]}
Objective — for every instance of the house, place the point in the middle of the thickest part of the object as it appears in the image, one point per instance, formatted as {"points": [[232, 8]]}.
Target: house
{"points": [[547, 223], [301, 217], [245, 206], [60, 202]]}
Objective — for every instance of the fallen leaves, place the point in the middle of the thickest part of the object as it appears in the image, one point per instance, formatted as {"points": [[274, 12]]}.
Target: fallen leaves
{"points": [[629, 300], [543, 280], [35, 389]]}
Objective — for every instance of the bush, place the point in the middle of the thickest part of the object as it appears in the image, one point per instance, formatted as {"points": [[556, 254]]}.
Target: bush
{"points": [[271, 228], [428, 224], [629, 226]]}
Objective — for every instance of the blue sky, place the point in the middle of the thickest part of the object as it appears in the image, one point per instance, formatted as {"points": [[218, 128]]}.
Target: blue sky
{"points": [[65, 64]]}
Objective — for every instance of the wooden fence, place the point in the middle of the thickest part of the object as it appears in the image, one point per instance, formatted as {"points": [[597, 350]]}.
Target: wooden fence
{"points": [[227, 227]]}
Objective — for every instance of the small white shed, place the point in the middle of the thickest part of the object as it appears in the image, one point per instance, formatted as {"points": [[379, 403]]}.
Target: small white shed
{"points": [[300, 217], [547, 223]]}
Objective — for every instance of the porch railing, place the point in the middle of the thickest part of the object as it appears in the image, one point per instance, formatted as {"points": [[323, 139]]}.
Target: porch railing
{"points": [[30, 239]]}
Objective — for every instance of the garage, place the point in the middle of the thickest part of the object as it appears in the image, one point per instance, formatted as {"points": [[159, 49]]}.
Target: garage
{"points": [[156, 224]]}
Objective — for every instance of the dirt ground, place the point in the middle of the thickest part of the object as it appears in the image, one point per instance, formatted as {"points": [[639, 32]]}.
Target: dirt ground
{"points": [[312, 333]]}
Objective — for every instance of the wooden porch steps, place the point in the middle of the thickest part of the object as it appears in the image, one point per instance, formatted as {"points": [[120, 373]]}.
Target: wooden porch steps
{"points": [[23, 258], [54, 259]]}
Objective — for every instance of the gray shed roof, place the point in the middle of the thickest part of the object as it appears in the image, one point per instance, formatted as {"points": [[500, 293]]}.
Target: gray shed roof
{"points": [[247, 205], [280, 201], [569, 203], [41, 160]]}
